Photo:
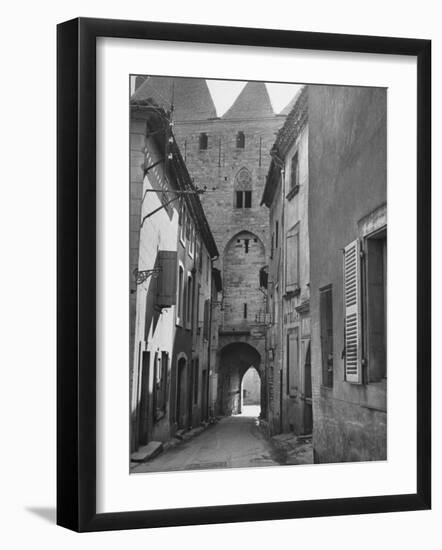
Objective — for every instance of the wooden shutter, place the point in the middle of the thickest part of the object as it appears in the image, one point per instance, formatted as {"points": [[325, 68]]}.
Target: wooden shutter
{"points": [[206, 319], [352, 312], [292, 362], [292, 260], [166, 293]]}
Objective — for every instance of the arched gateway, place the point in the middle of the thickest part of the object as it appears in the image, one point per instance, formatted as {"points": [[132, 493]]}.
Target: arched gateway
{"points": [[235, 359]]}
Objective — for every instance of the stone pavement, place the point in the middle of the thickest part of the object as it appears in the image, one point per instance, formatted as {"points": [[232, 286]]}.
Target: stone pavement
{"points": [[234, 442]]}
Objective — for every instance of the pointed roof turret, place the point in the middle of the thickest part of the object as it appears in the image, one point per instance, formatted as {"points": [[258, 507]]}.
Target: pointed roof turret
{"points": [[190, 96], [252, 102]]}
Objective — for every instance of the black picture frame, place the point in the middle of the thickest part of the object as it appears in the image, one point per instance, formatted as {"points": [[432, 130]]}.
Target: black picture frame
{"points": [[76, 274]]}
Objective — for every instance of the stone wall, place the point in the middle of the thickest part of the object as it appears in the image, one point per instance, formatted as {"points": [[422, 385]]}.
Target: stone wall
{"points": [[225, 168], [243, 301], [347, 432]]}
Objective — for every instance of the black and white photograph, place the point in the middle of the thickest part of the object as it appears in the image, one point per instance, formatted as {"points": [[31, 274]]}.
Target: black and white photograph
{"points": [[257, 274]]}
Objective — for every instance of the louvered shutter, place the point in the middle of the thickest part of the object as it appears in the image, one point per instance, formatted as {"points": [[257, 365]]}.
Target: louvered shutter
{"points": [[166, 289], [352, 312]]}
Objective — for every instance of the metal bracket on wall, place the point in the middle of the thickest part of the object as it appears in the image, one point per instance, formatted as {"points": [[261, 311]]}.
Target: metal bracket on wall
{"points": [[143, 275], [178, 194]]}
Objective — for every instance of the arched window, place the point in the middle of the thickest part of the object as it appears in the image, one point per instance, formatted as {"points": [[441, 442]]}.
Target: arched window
{"points": [[243, 189], [204, 141], [240, 140]]}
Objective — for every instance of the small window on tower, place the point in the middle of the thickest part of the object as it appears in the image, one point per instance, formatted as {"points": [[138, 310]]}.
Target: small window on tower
{"points": [[248, 199], [239, 201], [246, 245], [245, 311], [240, 140], [204, 140]]}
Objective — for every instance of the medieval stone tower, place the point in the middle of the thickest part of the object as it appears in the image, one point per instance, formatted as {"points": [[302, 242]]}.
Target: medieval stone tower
{"points": [[230, 155]]}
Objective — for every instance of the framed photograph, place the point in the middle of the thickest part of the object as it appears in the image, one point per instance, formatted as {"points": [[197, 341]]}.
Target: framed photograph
{"points": [[236, 339]]}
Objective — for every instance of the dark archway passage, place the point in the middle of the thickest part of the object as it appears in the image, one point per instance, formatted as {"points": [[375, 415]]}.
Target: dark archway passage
{"points": [[235, 360]]}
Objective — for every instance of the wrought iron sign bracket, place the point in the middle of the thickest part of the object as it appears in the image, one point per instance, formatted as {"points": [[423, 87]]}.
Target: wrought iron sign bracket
{"points": [[143, 275], [177, 193]]}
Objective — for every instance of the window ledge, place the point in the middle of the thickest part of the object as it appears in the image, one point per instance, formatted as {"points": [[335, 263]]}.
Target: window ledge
{"points": [[294, 191], [291, 293]]}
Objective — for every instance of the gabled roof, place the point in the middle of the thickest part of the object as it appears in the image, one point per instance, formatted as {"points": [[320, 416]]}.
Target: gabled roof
{"points": [[291, 103], [296, 119], [190, 97], [252, 102]]}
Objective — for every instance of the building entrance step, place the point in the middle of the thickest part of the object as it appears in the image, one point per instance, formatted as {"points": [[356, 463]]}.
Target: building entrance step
{"points": [[147, 452]]}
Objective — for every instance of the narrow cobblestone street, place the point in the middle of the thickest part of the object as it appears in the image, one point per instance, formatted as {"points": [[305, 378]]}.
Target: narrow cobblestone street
{"points": [[234, 442]]}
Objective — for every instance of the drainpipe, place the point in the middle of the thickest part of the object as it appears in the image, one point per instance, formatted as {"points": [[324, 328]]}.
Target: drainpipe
{"points": [[280, 163], [209, 347]]}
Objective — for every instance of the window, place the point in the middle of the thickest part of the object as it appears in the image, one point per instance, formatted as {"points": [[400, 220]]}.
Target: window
{"points": [[276, 234], [272, 244], [155, 384], [180, 294], [246, 245], [243, 189], [292, 362], [188, 227], [294, 175], [160, 384], [292, 260], [207, 268], [203, 141], [240, 140], [206, 319], [245, 311], [376, 311], [185, 293], [183, 223], [326, 332], [192, 241], [198, 304], [189, 300], [243, 199]]}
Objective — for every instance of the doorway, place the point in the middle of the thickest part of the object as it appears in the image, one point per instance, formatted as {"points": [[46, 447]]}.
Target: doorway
{"points": [[181, 393], [143, 425]]}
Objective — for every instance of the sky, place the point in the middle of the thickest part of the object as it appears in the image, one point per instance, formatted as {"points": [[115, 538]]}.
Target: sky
{"points": [[224, 93]]}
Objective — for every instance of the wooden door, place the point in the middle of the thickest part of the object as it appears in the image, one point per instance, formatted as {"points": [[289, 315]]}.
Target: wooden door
{"points": [[143, 434]]}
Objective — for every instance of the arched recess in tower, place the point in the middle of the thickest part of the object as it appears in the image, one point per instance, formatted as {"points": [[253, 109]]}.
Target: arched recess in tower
{"points": [[235, 360], [244, 256]]}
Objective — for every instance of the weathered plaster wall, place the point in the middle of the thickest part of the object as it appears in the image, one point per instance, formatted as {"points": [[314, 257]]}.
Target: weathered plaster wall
{"points": [[151, 331], [287, 406], [348, 176]]}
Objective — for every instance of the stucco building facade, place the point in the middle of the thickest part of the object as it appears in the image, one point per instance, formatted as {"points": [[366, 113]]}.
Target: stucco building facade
{"points": [[348, 271], [230, 157], [172, 285], [287, 280]]}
